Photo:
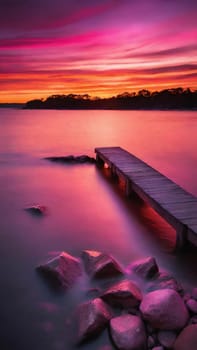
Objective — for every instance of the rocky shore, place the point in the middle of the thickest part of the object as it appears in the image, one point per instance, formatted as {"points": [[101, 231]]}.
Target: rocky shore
{"points": [[141, 306]]}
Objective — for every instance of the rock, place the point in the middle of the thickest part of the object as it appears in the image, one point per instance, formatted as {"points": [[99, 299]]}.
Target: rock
{"points": [[164, 309], [61, 271], [92, 318], [38, 210], [61, 159], [192, 305], [85, 159], [167, 338], [150, 342], [71, 159], [125, 294], [186, 297], [187, 339], [164, 281], [128, 332], [100, 265], [194, 293], [145, 268], [193, 319]]}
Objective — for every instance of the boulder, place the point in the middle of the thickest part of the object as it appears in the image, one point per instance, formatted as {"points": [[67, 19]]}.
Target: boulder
{"points": [[164, 281], [100, 265], [125, 294], [38, 210], [164, 309], [145, 268], [84, 159], [61, 159], [192, 305], [187, 339], [128, 332], [61, 271], [71, 159], [92, 318], [166, 338]]}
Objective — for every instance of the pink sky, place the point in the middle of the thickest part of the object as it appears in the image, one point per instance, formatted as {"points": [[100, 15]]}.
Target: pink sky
{"points": [[100, 47]]}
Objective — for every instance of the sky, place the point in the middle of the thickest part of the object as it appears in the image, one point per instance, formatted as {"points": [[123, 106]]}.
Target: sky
{"points": [[96, 47]]}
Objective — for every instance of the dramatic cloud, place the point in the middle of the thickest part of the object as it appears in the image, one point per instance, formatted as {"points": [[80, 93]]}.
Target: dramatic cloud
{"points": [[100, 47]]}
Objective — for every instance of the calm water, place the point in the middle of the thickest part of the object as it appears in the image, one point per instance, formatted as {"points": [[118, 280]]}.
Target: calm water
{"points": [[85, 210]]}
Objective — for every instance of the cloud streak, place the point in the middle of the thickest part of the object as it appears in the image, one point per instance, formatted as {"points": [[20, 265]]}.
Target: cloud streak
{"points": [[101, 48]]}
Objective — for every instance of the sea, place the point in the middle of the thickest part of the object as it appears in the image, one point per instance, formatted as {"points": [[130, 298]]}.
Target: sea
{"points": [[85, 209]]}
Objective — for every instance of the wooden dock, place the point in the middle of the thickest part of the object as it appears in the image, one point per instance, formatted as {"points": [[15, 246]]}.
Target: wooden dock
{"points": [[170, 201]]}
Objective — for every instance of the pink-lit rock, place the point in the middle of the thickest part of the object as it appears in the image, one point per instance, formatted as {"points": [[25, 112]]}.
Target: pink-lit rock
{"points": [[167, 338], [192, 305], [164, 309], [164, 281], [125, 294], [92, 318], [100, 265], [128, 332], [61, 271], [187, 339], [145, 268]]}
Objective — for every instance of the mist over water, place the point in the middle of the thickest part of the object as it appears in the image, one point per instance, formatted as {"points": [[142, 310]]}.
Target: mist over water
{"points": [[85, 209]]}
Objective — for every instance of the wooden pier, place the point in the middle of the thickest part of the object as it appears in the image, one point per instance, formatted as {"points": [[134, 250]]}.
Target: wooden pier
{"points": [[170, 201]]}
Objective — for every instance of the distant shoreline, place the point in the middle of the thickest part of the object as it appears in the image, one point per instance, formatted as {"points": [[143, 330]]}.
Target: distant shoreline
{"points": [[168, 99], [22, 107]]}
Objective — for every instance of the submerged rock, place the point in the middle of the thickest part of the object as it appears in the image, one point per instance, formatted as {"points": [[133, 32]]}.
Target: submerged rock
{"points": [[61, 271], [72, 159], [100, 265], [145, 268], [125, 294], [38, 210], [85, 159], [92, 318], [128, 332], [187, 339], [164, 281], [164, 309]]}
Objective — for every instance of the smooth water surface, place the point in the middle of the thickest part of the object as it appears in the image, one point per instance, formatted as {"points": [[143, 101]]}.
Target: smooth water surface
{"points": [[85, 210]]}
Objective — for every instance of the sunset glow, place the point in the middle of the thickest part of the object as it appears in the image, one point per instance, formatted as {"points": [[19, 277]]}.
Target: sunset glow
{"points": [[101, 48]]}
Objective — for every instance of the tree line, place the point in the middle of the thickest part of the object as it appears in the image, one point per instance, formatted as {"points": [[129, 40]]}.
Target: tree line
{"points": [[177, 98]]}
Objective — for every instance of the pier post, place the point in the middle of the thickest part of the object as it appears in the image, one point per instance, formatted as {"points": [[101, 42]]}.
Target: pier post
{"points": [[100, 163], [181, 238], [128, 188], [113, 173]]}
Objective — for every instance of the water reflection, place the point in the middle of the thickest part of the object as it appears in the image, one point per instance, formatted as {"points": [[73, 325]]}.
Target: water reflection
{"points": [[85, 209]]}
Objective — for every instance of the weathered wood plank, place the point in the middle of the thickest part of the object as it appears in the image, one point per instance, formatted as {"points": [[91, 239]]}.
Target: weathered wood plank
{"points": [[172, 202]]}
